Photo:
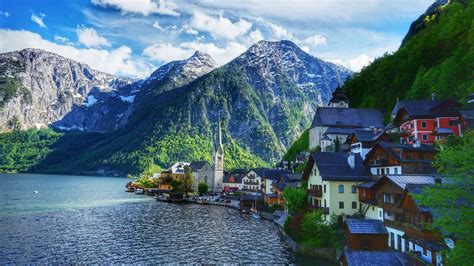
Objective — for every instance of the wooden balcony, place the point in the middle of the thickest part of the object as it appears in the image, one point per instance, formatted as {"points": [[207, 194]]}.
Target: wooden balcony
{"points": [[418, 231], [316, 208], [368, 200], [315, 192]]}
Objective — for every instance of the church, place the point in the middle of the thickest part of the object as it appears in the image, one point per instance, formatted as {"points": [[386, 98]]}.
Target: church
{"points": [[337, 121], [212, 175]]}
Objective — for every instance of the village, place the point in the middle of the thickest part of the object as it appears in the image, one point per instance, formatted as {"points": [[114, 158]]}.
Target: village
{"points": [[359, 173]]}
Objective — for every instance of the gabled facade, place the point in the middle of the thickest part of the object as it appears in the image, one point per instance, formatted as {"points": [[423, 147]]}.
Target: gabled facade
{"points": [[394, 158], [202, 173], [232, 182], [427, 120], [278, 186], [362, 141], [252, 181], [332, 179]]}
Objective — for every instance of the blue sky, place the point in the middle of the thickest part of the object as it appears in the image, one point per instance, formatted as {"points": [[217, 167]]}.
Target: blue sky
{"points": [[133, 37]]}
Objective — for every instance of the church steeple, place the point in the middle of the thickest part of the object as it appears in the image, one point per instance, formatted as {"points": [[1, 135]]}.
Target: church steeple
{"points": [[339, 99], [218, 156]]}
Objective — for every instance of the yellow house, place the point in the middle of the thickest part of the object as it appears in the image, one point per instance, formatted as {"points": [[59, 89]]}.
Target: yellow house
{"points": [[332, 179]]}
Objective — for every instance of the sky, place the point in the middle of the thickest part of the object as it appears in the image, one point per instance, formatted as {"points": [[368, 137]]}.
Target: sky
{"points": [[134, 37]]}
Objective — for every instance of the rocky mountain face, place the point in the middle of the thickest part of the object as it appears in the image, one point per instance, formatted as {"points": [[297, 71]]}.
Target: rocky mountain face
{"points": [[265, 98], [41, 88]]}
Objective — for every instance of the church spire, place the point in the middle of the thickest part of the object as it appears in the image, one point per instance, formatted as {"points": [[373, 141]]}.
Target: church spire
{"points": [[218, 141]]}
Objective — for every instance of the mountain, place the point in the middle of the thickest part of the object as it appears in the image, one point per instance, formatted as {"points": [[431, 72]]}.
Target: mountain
{"points": [[41, 88], [436, 56]]}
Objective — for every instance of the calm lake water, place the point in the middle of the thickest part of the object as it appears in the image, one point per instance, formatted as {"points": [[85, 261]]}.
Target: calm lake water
{"points": [[80, 219]]}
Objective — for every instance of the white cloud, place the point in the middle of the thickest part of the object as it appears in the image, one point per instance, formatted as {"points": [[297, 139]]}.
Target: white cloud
{"points": [[144, 7], [189, 30], [316, 40], [38, 19], [355, 64], [220, 26], [279, 32], [62, 39], [255, 36], [117, 61], [90, 38], [4, 13], [157, 25], [168, 52]]}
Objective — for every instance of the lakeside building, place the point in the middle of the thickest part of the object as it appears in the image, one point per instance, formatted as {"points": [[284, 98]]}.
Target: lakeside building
{"points": [[427, 120], [286, 180], [366, 234], [394, 158], [332, 179], [232, 181], [252, 181], [202, 173], [406, 221], [337, 121]]}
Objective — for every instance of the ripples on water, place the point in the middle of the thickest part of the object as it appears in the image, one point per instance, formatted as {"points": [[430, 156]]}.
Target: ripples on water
{"points": [[135, 232]]}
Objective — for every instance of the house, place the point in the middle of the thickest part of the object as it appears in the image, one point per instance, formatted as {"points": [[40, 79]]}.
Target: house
{"points": [[270, 176], [374, 258], [178, 168], [332, 179], [202, 173], [362, 141], [366, 234], [368, 207], [165, 181], [390, 192], [285, 181], [232, 181], [419, 239], [394, 158], [467, 119], [337, 121], [252, 181], [427, 120], [248, 201]]}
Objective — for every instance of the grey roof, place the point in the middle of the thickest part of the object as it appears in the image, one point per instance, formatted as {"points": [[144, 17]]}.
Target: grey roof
{"points": [[403, 180], [333, 166], [468, 114], [368, 135], [340, 130], [375, 258], [366, 184], [422, 108], [272, 174], [197, 165], [347, 117], [369, 226]]}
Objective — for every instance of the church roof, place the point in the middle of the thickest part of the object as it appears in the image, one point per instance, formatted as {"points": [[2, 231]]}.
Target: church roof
{"points": [[197, 165], [347, 117]]}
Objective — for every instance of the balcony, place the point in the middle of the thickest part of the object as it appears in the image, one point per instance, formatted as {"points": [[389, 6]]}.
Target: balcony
{"points": [[315, 192], [315, 208], [379, 162], [417, 231], [251, 183], [368, 200]]}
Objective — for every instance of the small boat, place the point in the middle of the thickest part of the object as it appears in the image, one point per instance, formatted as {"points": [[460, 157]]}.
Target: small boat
{"points": [[130, 189], [161, 197], [36, 192], [256, 215], [139, 191], [202, 201]]}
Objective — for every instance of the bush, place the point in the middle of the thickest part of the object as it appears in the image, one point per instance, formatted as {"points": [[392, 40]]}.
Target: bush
{"points": [[202, 188], [316, 232], [295, 199]]}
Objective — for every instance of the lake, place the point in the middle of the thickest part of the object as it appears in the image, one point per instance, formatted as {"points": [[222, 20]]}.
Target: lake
{"points": [[83, 219]]}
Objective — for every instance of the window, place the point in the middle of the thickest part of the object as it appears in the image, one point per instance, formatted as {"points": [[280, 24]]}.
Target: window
{"points": [[341, 204], [324, 188], [373, 208], [411, 125], [378, 171], [382, 171], [324, 203], [354, 205], [387, 171], [392, 240], [423, 124], [424, 136], [364, 193], [452, 123], [395, 171], [387, 198], [380, 214], [353, 189], [341, 188]]}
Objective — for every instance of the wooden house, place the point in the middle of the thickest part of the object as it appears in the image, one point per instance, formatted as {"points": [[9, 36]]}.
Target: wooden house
{"points": [[365, 234]]}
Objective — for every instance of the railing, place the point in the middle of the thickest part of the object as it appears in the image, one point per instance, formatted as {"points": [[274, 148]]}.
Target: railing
{"points": [[315, 192], [252, 183], [369, 201]]}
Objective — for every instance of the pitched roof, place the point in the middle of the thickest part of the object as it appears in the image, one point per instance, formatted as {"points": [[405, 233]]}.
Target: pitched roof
{"points": [[347, 117], [368, 258], [367, 135], [333, 166], [369, 226], [392, 147], [338, 95], [272, 174], [366, 184], [403, 180], [197, 165], [340, 130], [423, 108]]}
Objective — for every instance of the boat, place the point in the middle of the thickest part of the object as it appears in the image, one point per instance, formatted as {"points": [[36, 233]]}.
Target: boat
{"points": [[130, 189], [202, 200], [139, 191], [256, 215], [162, 197]]}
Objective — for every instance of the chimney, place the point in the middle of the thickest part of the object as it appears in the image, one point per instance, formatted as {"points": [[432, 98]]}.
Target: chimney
{"points": [[416, 143], [351, 160], [433, 96]]}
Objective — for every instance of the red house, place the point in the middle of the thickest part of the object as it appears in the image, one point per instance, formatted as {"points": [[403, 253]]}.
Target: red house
{"points": [[427, 120]]}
